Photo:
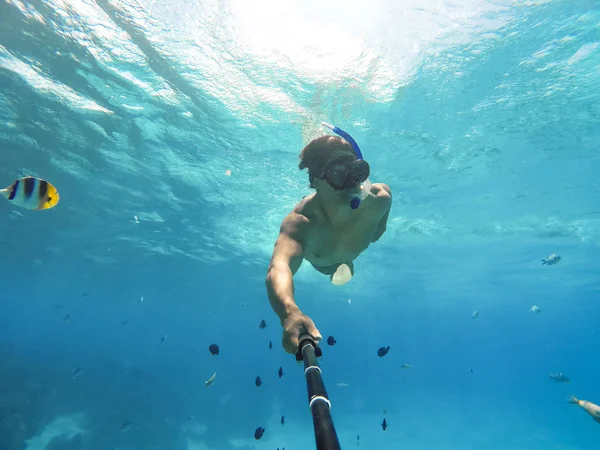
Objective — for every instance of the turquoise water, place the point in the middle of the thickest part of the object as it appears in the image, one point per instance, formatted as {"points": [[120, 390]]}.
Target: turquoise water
{"points": [[172, 131]]}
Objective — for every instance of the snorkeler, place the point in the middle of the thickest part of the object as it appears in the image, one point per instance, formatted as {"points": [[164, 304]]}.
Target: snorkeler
{"points": [[329, 228]]}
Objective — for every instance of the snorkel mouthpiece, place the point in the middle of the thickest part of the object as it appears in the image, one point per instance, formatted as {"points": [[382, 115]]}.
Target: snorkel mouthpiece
{"points": [[355, 199]]}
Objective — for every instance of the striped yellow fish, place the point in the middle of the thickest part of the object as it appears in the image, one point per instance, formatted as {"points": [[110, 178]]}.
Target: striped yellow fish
{"points": [[31, 193]]}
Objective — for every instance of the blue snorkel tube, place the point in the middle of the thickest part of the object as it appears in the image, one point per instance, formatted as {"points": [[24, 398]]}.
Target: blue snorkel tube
{"points": [[355, 200], [346, 136]]}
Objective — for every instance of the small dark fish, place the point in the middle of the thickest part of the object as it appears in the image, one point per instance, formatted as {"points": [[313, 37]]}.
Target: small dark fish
{"points": [[270, 345], [259, 433], [67, 318], [282, 420], [383, 351], [331, 340], [471, 370], [126, 425], [280, 372], [263, 324], [164, 338], [257, 382], [358, 437], [213, 349], [77, 373], [125, 322], [559, 377], [384, 424]]}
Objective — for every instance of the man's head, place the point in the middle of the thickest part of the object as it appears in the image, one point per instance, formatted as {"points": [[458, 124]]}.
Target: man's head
{"points": [[333, 159]]}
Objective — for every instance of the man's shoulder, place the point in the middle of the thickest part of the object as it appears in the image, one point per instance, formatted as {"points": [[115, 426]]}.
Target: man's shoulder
{"points": [[382, 194], [305, 208], [381, 190], [298, 220]]}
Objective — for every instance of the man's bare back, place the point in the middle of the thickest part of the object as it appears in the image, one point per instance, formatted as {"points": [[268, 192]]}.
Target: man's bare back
{"points": [[327, 245]]}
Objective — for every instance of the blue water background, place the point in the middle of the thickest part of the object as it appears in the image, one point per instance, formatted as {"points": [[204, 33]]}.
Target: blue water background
{"points": [[486, 130]]}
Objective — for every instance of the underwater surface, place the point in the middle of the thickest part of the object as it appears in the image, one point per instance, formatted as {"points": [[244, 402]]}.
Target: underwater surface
{"points": [[172, 129]]}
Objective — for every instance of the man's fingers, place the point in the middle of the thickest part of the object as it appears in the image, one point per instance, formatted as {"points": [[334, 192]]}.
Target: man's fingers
{"points": [[291, 336], [290, 342], [312, 330]]}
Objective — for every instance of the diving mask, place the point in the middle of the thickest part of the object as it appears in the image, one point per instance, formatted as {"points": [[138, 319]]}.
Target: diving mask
{"points": [[345, 172]]}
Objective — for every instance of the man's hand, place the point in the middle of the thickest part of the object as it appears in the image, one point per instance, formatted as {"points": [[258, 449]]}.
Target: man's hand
{"points": [[294, 326]]}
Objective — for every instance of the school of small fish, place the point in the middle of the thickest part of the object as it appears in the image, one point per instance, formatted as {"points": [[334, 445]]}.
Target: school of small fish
{"points": [[558, 377]]}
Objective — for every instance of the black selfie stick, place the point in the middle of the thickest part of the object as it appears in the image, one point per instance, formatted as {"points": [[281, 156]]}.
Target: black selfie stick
{"points": [[319, 403]]}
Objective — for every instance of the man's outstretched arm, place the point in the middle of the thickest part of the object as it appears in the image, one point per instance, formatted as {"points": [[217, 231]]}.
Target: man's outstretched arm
{"points": [[285, 262]]}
